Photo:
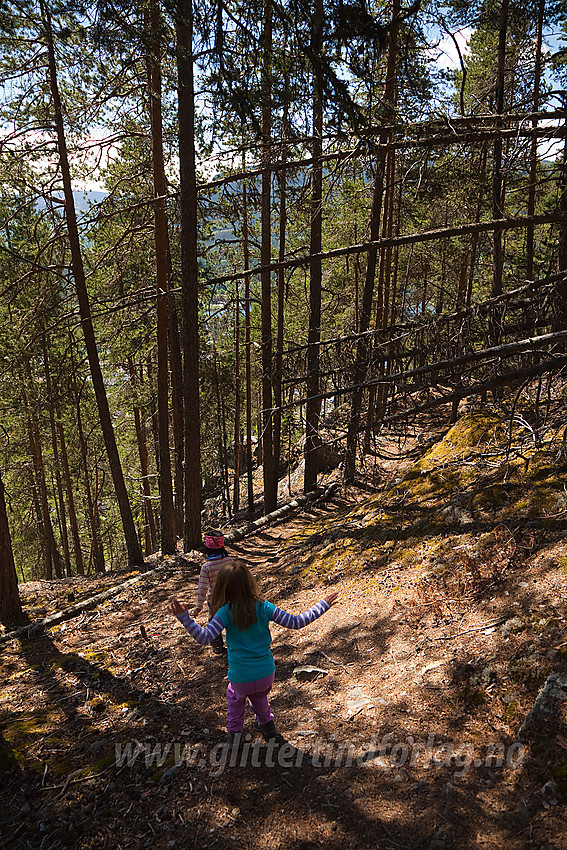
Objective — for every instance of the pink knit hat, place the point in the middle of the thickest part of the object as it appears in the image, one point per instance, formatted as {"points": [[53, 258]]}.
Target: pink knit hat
{"points": [[214, 540]]}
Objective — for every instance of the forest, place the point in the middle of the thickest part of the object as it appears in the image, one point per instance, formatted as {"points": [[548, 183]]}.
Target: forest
{"points": [[293, 275], [237, 237]]}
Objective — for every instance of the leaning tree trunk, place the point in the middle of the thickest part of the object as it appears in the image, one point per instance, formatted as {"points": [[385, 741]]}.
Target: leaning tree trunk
{"points": [[189, 275], [11, 613], [133, 547]]}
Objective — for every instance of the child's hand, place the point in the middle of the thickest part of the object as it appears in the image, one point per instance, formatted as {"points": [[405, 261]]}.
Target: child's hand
{"points": [[331, 598], [176, 608]]}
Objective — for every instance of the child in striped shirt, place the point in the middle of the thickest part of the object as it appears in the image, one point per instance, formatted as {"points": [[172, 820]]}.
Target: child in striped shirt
{"points": [[251, 667], [216, 557]]}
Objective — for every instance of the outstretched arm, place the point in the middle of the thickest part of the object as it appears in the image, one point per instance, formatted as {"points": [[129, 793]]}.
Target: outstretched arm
{"points": [[202, 635], [298, 621]]}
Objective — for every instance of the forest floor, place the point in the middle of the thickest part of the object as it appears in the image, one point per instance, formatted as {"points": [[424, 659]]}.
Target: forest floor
{"points": [[437, 720]]}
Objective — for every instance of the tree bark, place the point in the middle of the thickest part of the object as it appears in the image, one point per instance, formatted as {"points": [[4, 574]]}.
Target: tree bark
{"points": [[133, 548]]}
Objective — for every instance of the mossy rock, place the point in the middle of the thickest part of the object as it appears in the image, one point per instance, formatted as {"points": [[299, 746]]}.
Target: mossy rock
{"points": [[471, 430]]}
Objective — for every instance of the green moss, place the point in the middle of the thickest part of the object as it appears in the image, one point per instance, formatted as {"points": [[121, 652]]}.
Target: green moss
{"points": [[68, 662], [489, 498], [62, 768], [100, 765], [96, 656], [31, 726], [97, 705], [510, 711]]}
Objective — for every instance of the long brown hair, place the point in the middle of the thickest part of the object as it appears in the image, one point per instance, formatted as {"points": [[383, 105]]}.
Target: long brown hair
{"points": [[237, 587]]}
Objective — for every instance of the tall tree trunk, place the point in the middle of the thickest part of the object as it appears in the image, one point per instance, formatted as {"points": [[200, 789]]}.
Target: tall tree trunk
{"points": [[133, 548], [376, 394], [270, 472], [313, 403], [247, 347], [149, 522], [56, 463], [533, 146], [189, 275], [177, 408], [96, 549], [278, 364], [223, 453], [497, 178], [237, 406], [79, 562], [52, 558], [11, 613], [167, 513], [153, 413], [560, 302], [363, 345], [478, 213]]}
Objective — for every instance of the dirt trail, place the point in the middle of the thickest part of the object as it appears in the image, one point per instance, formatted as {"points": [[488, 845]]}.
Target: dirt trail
{"points": [[406, 740]]}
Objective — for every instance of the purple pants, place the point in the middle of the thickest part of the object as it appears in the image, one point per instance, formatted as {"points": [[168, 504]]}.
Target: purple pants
{"points": [[257, 692]]}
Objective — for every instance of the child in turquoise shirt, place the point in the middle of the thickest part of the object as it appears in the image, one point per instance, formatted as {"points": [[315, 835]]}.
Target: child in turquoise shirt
{"points": [[245, 616]]}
